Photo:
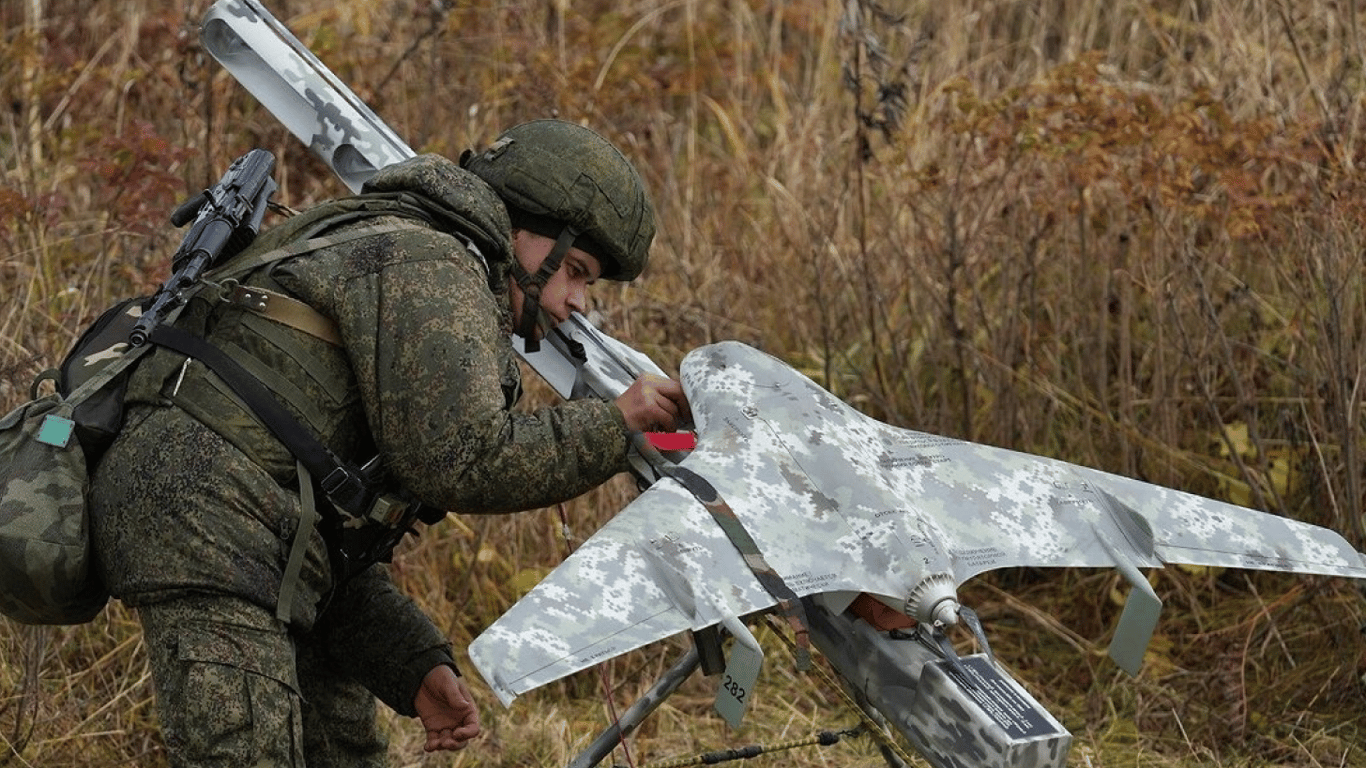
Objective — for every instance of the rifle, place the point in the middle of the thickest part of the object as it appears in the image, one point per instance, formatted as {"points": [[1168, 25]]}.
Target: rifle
{"points": [[227, 217]]}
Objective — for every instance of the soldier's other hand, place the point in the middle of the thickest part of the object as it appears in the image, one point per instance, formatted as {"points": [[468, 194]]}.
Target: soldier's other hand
{"points": [[447, 710], [654, 404]]}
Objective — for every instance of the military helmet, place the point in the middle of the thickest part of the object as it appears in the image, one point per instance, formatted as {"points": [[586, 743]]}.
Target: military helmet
{"points": [[554, 174]]}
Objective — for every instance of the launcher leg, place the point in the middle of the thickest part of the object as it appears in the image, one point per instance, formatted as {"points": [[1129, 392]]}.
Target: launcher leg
{"points": [[663, 688]]}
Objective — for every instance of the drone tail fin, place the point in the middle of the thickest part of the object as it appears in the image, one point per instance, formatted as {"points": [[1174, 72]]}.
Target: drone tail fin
{"points": [[1137, 622], [1134, 545]]}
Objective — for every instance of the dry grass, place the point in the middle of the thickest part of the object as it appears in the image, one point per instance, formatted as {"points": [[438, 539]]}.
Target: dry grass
{"points": [[1127, 234]]}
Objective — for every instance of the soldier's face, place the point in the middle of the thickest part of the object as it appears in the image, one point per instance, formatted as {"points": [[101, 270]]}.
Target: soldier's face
{"points": [[567, 289]]}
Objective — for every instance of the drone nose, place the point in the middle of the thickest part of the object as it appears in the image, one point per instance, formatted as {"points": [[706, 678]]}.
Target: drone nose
{"points": [[946, 612], [934, 601]]}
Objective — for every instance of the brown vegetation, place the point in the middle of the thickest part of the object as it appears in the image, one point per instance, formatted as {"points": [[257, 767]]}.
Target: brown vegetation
{"points": [[1126, 234]]}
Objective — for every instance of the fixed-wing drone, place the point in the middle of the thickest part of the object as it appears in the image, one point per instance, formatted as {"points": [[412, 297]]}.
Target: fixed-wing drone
{"points": [[793, 501]]}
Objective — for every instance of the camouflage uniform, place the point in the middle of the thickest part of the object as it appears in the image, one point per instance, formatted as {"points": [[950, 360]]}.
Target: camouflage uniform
{"points": [[195, 505]]}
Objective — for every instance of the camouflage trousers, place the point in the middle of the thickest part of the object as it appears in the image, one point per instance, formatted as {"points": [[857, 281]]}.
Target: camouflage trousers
{"points": [[234, 688]]}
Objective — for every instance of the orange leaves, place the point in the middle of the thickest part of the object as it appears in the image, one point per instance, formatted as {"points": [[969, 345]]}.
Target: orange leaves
{"points": [[137, 174], [1188, 155]]}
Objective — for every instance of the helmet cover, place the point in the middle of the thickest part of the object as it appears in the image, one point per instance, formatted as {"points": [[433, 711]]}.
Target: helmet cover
{"points": [[553, 174]]}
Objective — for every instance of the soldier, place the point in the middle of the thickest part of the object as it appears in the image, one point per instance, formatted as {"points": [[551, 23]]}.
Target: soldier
{"points": [[269, 637]]}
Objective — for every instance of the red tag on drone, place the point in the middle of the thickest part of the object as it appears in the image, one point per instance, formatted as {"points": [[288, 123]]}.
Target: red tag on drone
{"points": [[672, 441]]}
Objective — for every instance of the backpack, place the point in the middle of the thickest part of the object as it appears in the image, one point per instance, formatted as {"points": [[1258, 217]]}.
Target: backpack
{"points": [[46, 447], [49, 444]]}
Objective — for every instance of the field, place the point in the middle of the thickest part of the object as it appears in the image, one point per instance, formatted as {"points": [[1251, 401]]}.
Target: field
{"points": [[1125, 234]]}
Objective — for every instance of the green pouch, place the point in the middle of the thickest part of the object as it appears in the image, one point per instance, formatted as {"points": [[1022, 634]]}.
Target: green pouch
{"points": [[46, 567], [47, 447]]}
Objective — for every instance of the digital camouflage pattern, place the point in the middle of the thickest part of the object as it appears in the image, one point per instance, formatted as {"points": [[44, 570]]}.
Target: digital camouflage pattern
{"points": [[222, 666], [426, 375], [981, 719], [196, 497], [840, 504], [227, 693], [313, 104]]}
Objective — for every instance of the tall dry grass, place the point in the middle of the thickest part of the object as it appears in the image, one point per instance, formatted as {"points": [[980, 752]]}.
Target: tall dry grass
{"points": [[1126, 234]]}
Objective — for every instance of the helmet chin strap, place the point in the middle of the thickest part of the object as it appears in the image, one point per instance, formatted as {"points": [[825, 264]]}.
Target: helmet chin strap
{"points": [[531, 286]]}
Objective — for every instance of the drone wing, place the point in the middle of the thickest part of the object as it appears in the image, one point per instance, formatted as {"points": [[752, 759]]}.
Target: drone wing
{"points": [[839, 502], [994, 508], [999, 508], [662, 566]]}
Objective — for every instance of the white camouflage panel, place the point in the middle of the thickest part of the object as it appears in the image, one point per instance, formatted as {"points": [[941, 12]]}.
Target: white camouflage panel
{"points": [[839, 502], [302, 93]]}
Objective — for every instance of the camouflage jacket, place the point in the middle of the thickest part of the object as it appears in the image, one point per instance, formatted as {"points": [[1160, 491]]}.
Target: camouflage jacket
{"points": [[196, 495], [426, 375]]}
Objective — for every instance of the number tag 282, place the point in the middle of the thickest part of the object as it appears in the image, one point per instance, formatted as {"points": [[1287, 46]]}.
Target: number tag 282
{"points": [[737, 682]]}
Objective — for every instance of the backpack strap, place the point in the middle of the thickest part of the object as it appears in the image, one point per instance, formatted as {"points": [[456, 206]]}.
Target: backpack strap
{"points": [[57, 429], [277, 306], [346, 486], [243, 264], [308, 517], [349, 489]]}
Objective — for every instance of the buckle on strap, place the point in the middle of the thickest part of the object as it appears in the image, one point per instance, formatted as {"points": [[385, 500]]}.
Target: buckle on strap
{"points": [[346, 490], [282, 309], [356, 494]]}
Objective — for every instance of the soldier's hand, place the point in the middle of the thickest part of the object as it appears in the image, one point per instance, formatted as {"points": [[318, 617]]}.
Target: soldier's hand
{"points": [[654, 404], [447, 710]]}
